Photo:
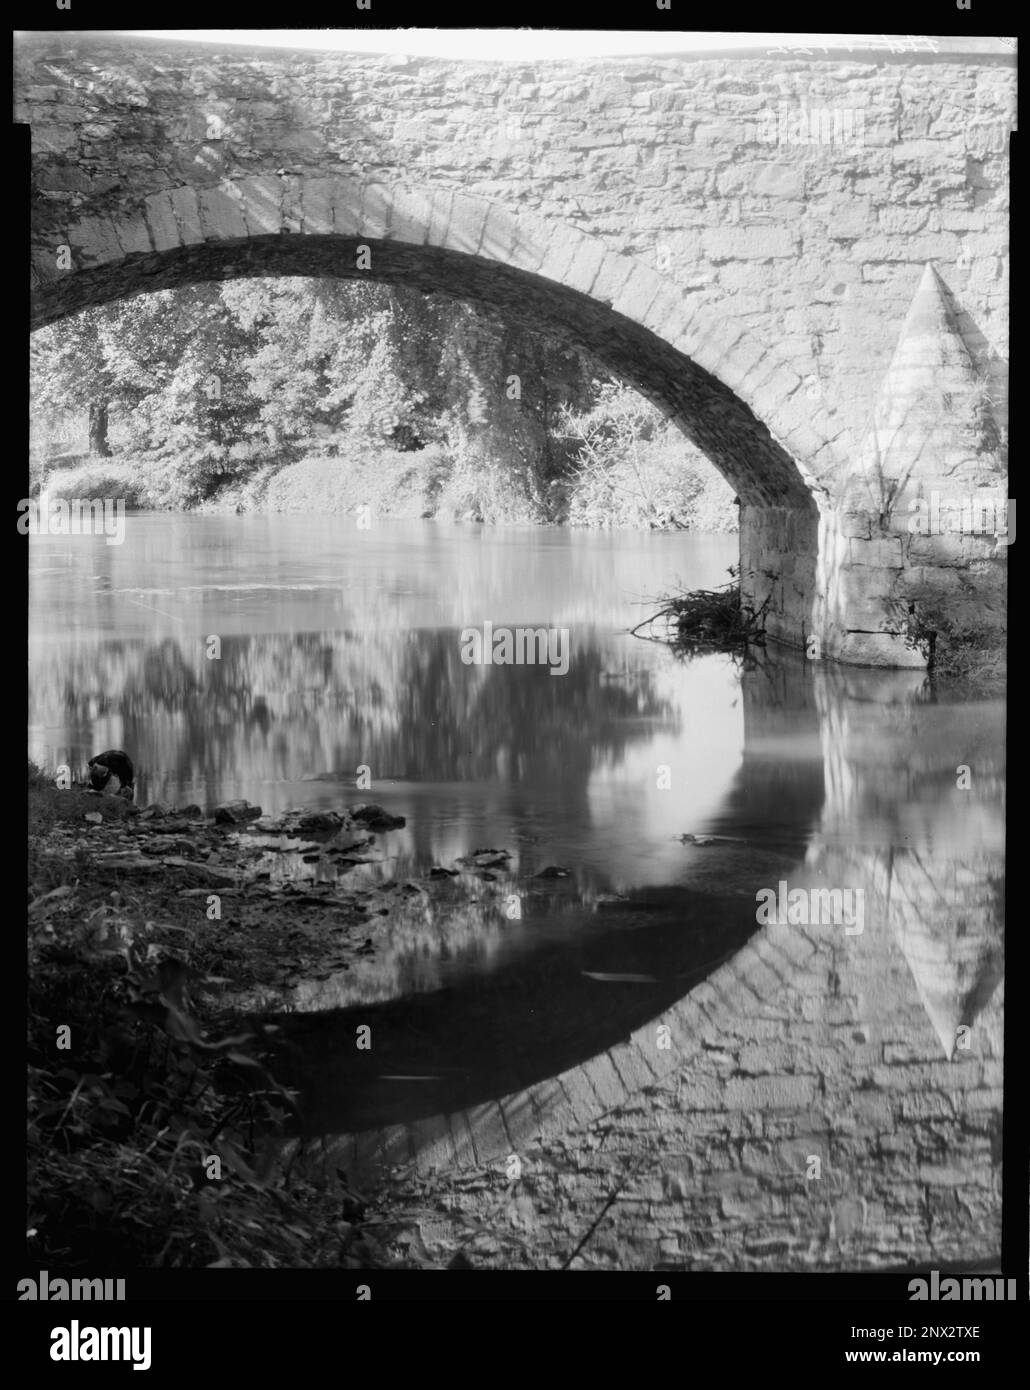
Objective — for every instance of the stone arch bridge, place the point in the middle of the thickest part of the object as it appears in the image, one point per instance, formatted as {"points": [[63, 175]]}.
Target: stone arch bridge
{"points": [[802, 260]]}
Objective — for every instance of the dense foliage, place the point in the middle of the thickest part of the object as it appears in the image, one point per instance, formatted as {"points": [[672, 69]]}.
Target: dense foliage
{"points": [[208, 395], [156, 1128]]}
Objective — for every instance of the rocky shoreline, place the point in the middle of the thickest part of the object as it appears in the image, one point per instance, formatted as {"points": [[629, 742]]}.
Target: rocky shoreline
{"points": [[153, 933], [169, 941]]}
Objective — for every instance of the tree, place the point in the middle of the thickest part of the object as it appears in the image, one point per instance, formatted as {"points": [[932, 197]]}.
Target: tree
{"points": [[98, 444], [211, 380], [70, 374]]}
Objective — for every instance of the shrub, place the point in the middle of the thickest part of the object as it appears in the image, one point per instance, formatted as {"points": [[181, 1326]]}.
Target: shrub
{"points": [[959, 647], [114, 478], [633, 468]]}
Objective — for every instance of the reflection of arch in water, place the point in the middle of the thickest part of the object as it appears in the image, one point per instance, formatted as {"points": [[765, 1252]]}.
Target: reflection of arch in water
{"points": [[575, 1096], [864, 977], [516, 1025], [556, 1045]]}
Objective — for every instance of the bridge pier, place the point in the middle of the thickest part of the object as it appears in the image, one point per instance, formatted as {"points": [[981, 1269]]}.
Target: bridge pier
{"points": [[909, 542], [778, 566], [913, 543]]}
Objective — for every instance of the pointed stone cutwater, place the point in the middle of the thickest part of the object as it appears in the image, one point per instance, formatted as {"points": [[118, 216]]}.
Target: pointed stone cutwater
{"points": [[930, 433], [947, 925], [928, 429], [930, 344]]}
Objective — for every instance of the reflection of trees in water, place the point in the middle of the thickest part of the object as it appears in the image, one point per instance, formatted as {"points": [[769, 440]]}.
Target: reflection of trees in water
{"points": [[284, 707]]}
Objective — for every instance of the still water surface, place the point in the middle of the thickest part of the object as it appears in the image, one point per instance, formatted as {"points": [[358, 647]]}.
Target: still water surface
{"points": [[340, 648]]}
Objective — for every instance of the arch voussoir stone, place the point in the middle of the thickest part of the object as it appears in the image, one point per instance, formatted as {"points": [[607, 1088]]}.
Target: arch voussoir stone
{"points": [[585, 257], [409, 216], [612, 278], [529, 247], [133, 235], [438, 216], [667, 316], [715, 350], [186, 206], [346, 195], [375, 210], [261, 197], [638, 294], [499, 236], [293, 212], [796, 433], [159, 211], [221, 213], [466, 221], [316, 205], [770, 397], [94, 241]]}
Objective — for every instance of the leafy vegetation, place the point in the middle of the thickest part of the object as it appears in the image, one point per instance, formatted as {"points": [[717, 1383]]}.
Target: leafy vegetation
{"points": [[138, 1093], [631, 467], [958, 646], [209, 396]]}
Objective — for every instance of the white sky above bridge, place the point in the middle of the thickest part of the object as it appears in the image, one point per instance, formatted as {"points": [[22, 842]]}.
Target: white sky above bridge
{"points": [[522, 45]]}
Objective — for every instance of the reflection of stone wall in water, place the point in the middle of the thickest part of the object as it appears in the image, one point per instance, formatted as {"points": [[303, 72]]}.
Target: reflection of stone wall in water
{"points": [[840, 1056], [807, 1115], [951, 939], [931, 859], [908, 1141]]}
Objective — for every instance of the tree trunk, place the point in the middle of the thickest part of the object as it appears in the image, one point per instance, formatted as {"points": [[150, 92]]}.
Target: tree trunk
{"points": [[98, 444]]}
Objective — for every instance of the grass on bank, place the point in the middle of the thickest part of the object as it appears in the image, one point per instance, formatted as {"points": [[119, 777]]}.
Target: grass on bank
{"points": [[154, 1128]]}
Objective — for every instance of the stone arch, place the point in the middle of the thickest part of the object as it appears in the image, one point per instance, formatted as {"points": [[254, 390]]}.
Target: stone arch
{"points": [[735, 398]]}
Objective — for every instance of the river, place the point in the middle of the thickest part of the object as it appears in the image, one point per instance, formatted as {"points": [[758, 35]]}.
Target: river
{"points": [[272, 658]]}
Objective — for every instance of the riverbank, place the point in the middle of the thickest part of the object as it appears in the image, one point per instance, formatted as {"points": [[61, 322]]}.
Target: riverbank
{"points": [[426, 483], [156, 1127], [159, 1133]]}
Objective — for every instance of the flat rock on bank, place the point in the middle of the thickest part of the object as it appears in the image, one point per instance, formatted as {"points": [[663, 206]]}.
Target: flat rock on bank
{"points": [[268, 906]]}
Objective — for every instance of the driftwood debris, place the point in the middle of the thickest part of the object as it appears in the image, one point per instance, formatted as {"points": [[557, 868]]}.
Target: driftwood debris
{"points": [[706, 620]]}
